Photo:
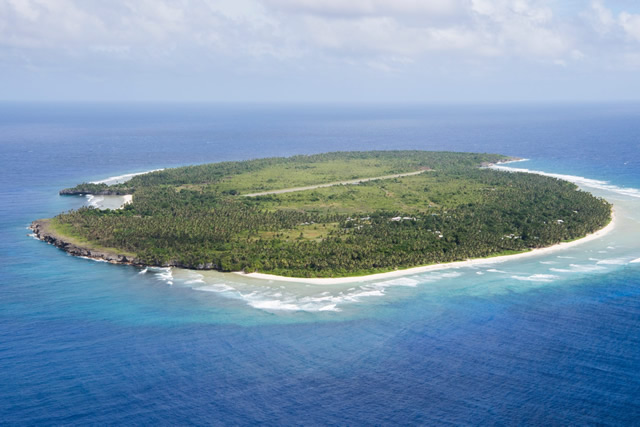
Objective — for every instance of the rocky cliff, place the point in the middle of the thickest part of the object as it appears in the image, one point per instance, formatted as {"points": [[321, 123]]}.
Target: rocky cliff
{"points": [[43, 231]]}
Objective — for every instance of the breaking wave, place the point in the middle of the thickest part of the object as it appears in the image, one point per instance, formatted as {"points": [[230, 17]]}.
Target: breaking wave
{"points": [[119, 179], [278, 297], [162, 273], [579, 180], [577, 268], [537, 278], [614, 261], [272, 296], [94, 201]]}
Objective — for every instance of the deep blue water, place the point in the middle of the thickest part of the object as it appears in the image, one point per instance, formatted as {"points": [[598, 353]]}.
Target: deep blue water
{"points": [[85, 342]]}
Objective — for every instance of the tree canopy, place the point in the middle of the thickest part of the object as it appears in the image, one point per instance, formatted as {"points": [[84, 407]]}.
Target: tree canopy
{"points": [[200, 216]]}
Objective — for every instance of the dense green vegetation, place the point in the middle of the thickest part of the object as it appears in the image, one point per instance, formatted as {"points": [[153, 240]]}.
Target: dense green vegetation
{"points": [[89, 188], [296, 171], [197, 216]]}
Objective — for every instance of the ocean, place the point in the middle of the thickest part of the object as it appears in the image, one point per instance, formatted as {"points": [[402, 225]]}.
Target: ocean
{"points": [[552, 339]]}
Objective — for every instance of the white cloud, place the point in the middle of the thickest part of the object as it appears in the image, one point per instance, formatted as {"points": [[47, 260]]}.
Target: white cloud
{"points": [[631, 25], [377, 30], [385, 35], [523, 28], [25, 9], [533, 12], [374, 36], [352, 8], [374, 30], [606, 24], [148, 27], [600, 17]]}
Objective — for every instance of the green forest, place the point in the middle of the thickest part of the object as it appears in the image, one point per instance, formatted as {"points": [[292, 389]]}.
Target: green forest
{"points": [[449, 209]]}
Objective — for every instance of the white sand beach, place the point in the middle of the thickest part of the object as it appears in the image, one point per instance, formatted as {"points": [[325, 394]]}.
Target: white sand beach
{"points": [[433, 267], [110, 202]]}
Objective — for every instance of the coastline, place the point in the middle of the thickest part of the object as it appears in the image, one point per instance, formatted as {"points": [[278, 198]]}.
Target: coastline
{"points": [[119, 179], [434, 267], [43, 231], [109, 201]]}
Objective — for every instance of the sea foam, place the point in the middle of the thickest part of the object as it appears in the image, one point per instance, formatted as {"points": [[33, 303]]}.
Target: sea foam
{"points": [[163, 273], [94, 200], [279, 298], [217, 287], [537, 278], [614, 261], [578, 268], [119, 179], [580, 180]]}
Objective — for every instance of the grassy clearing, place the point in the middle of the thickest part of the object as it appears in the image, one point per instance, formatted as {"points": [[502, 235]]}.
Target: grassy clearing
{"points": [[312, 232], [70, 234], [289, 176], [196, 216], [419, 194]]}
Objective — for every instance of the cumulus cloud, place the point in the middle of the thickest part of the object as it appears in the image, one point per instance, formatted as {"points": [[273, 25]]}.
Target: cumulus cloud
{"points": [[522, 27], [368, 29], [143, 27], [412, 29], [261, 36], [607, 24], [373, 36], [600, 17], [631, 25], [339, 8]]}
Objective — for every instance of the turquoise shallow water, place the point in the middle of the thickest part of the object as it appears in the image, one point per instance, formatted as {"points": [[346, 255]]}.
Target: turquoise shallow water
{"points": [[550, 339], [291, 301]]}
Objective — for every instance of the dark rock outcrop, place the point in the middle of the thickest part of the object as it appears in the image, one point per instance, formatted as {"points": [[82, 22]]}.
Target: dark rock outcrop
{"points": [[74, 192], [42, 230]]}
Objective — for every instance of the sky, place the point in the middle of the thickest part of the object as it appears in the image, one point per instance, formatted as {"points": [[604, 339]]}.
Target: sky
{"points": [[320, 51]]}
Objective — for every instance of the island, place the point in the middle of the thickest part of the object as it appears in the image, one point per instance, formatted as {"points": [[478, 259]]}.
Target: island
{"points": [[327, 215]]}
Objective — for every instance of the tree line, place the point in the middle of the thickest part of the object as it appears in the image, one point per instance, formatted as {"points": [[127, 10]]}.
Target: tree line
{"points": [[167, 225]]}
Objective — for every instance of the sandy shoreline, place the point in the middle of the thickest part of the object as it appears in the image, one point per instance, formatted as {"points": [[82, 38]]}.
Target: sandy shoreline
{"points": [[43, 232], [110, 201], [435, 267]]}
